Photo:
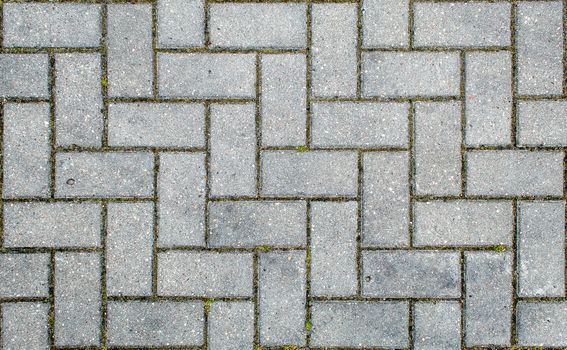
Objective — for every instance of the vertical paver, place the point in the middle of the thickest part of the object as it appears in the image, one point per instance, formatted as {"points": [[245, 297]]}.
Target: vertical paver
{"points": [[231, 325], [385, 23], [180, 23], [24, 326]]}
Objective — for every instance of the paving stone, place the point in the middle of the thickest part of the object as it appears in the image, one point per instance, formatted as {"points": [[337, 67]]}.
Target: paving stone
{"points": [[488, 298], [539, 47], [27, 150], [319, 173], [77, 299], [463, 223], [162, 323], [333, 50], [360, 324], [181, 206], [97, 174], [541, 253], [281, 291], [385, 23], [24, 326], [233, 150], [129, 28], [257, 25], [437, 148], [51, 25], [78, 100], [24, 275], [23, 75], [180, 23], [283, 99], [231, 325], [355, 124], [475, 24], [52, 224], [488, 98], [129, 244], [201, 75], [542, 123], [205, 274], [385, 199], [156, 125], [408, 74], [333, 248], [515, 173], [542, 323], [411, 274], [248, 224], [437, 325]]}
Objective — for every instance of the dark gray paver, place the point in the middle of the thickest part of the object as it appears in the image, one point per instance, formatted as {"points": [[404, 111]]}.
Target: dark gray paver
{"points": [[231, 325]]}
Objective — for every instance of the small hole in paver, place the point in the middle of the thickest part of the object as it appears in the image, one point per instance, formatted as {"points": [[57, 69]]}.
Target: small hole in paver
{"points": [[368, 278], [70, 182]]}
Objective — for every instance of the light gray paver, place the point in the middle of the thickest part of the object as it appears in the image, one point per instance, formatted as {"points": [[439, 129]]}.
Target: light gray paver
{"points": [[231, 325], [77, 299], [162, 323], [360, 324], [354, 124], [385, 23], [24, 275], [205, 274], [541, 252], [24, 75], [26, 150], [542, 123], [180, 23], [51, 25], [52, 224], [437, 325], [411, 274], [247, 224], [257, 25], [78, 99], [542, 323], [281, 291], [24, 326]]}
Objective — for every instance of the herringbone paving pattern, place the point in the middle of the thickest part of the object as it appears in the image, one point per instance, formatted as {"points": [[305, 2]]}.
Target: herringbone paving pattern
{"points": [[217, 175]]}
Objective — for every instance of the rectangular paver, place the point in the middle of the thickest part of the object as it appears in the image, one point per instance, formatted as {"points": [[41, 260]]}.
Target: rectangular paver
{"points": [[231, 325], [24, 75], [180, 23], [385, 23], [437, 325], [541, 323], [25, 326], [542, 123], [24, 275]]}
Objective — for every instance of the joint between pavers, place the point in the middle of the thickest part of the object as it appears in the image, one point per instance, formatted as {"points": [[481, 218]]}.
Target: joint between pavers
{"points": [[52, 131], [103, 291]]}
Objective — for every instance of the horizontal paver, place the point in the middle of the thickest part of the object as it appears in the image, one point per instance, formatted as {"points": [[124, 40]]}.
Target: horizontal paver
{"points": [[231, 325], [24, 75], [180, 23], [24, 275], [25, 326], [385, 23], [541, 323], [542, 123]]}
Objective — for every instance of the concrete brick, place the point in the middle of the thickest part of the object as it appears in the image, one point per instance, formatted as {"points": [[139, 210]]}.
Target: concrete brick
{"points": [[437, 148], [52, 25], [24, 75], [129, 28], [24, 275], [283, 100], [233, 150], [24, 326], [515, 173], [281, 291], [205, 274], [129, 242], [27, 150], [542, 323], [488, 298], [542, 123], [539, 47], [161, 323], [541, 253], [52, 224], [247, 224], [462, 24], [410, 74], [360, 324], [180, 23], [385, 23], [319, 173], [156, 124], [257, 25], [78, 99], [488, 98], [385, 199], [463, 223], [354, 124], [231, 325], [333, 50], [181, 206], [200, 75], [77, 299], [333, 248], [411, 274], [97, 174], [437, 325]]}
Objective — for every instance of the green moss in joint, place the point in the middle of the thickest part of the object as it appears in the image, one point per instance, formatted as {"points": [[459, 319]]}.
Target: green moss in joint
{"points": [[301, 148], [208, 303], [263, 248], [500, 248], [308, 325], [104, 82]]}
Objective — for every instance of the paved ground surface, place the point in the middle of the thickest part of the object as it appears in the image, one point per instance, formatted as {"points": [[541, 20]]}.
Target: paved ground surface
{"points": [[283, 175]]}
